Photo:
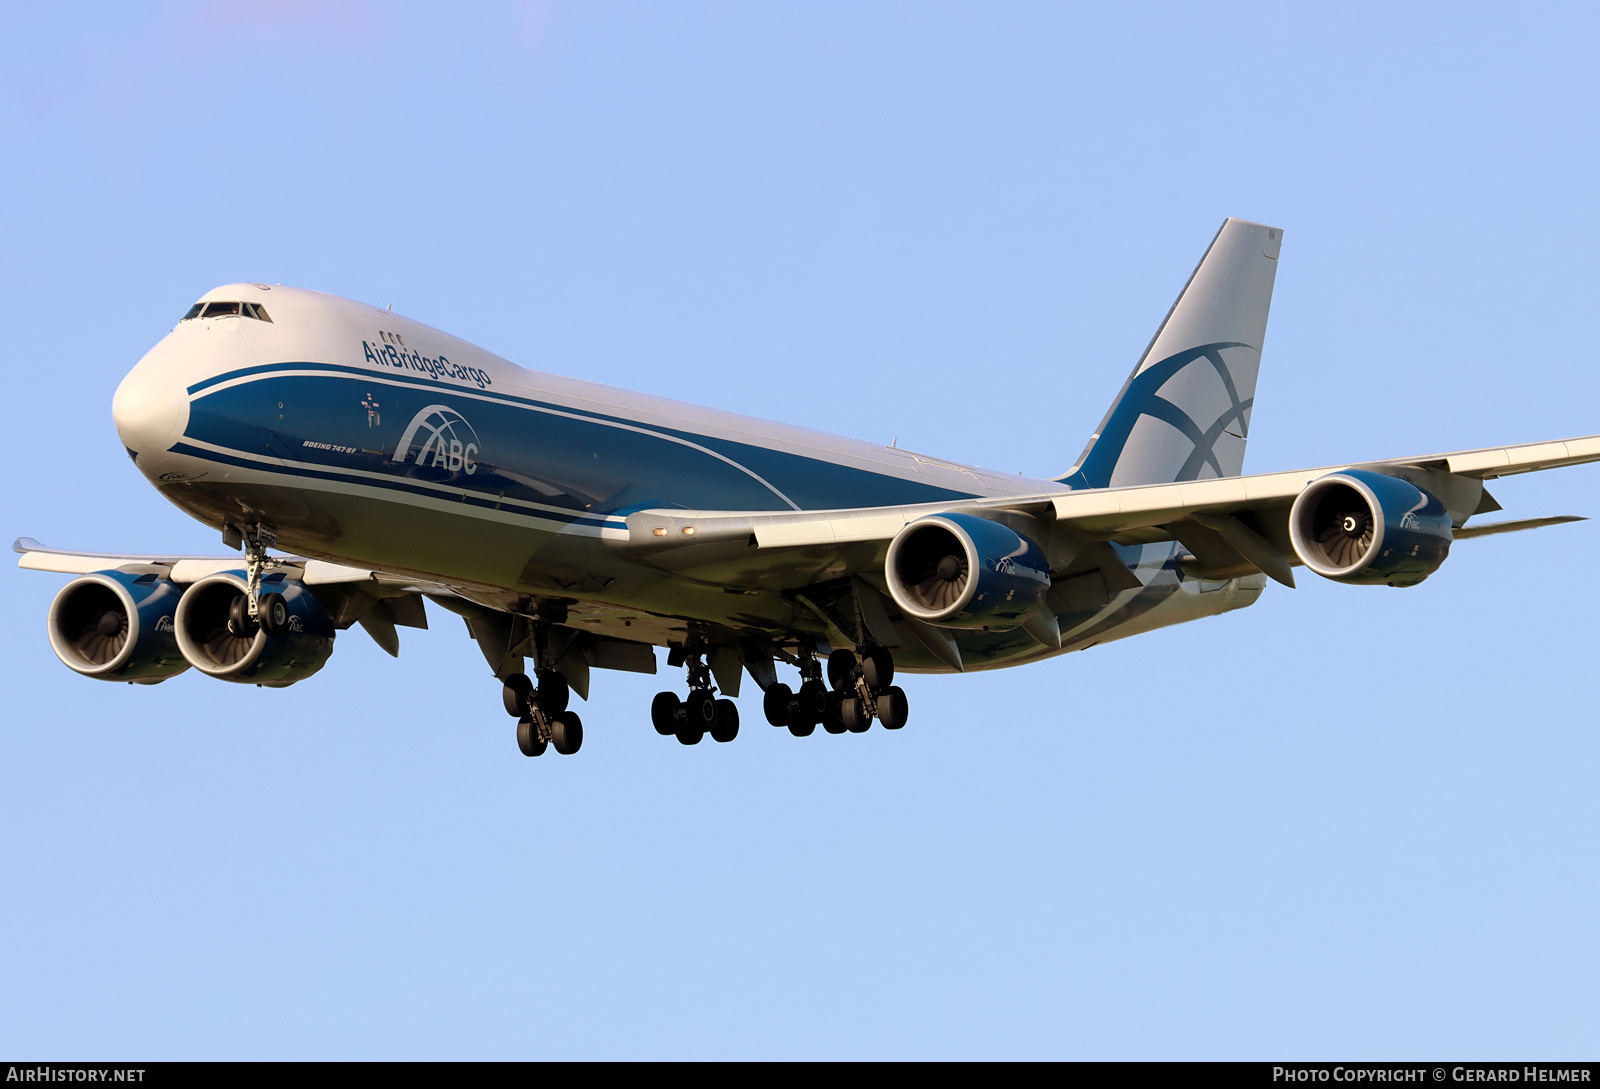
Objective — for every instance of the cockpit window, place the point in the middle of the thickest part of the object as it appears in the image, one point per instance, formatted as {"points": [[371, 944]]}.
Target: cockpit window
{"points": [[227, 310]]}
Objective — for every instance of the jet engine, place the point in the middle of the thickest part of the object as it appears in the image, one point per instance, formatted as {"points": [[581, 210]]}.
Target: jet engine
{"points": [[1364, 527], [117, 626], [962, 571], [219, 638]]}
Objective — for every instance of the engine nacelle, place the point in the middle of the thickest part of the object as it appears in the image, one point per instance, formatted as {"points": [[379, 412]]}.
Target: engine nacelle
{"points": [[256, 658], [1364, 527], [962, 571], [116, 626]]}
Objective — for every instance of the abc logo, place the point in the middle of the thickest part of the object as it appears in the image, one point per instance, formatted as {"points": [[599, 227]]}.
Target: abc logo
{"points": [[439, 437]]}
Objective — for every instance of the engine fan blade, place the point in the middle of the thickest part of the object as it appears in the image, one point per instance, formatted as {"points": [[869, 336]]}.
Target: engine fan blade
{"points": [[102, 638], [225, 648]]}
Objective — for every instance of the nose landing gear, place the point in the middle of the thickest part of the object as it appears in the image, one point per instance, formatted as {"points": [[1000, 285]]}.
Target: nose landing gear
{"points": [[252, 609]]}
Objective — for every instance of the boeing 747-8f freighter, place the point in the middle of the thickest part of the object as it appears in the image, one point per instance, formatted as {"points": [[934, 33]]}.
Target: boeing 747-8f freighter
{"points": [[577, 527]]}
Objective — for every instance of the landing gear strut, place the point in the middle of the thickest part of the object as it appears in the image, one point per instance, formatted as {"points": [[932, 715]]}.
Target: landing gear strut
{"points": [[689, 720], [253, 609], [541, 713]]}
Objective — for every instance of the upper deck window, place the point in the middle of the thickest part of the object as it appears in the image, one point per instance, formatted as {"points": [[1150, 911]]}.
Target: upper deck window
{"points": [[227, 310]]}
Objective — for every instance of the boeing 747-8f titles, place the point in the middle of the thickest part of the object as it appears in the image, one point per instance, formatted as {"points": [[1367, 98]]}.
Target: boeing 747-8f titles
{"points": [[575, 526]]}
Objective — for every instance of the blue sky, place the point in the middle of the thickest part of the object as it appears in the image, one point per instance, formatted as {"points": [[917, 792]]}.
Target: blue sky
{"points": [[1345, 822]]}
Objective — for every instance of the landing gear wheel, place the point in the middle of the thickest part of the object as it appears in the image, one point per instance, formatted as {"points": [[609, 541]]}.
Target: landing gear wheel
{"points": [[812, 701], [853, 713], [830, 717], [700, 710], [801, 725], [515, 693], [240, 624], [272, 613], [566, 733], [528, 739], [877, 669], [841, 670], [892, 708], [666, 713], [699, 715], [727, 727], [553, 692], [775, 703]]}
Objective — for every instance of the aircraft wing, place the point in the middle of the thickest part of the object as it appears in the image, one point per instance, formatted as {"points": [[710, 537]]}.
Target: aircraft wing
{"points": [[374, 599], [1232, 525], [379, 601], [180, 569]]}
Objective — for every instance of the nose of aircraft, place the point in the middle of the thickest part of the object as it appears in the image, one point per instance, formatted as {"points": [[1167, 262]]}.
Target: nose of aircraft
{"points": [[151, 406]]}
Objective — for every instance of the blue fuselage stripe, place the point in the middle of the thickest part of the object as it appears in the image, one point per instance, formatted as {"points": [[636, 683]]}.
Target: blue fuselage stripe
{"points": [[504, 448]]}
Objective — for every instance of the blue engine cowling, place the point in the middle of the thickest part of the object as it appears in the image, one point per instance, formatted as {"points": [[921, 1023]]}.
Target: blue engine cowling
{"points": [[117, 626], [1364, 527], [271, 660], [962, 571]]}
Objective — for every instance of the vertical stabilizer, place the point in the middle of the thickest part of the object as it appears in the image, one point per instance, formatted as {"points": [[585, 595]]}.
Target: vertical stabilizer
{"points": [[1184, 413]]}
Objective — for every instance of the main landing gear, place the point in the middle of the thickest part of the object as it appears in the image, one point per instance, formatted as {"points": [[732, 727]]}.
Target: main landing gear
{"points": [[541, 713], [862, 690], [689, 720]]}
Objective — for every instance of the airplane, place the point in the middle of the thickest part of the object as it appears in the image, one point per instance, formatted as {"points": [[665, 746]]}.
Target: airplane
{"points": [[575, 526]]}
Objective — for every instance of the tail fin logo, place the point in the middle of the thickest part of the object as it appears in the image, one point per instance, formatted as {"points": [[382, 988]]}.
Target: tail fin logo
{"points": [[439, 437], [1152, 430]]}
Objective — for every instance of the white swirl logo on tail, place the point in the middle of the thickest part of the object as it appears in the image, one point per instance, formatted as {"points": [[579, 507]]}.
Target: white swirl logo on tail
{"points": [[441, 438]]}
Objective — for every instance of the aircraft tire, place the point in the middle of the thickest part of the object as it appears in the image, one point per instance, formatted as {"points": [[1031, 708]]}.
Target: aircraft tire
{"points": [[775, 704], [566, 733], [813, 701], [240, 626], [727, 727], [687, 735], [877, 669], [272, 613], [853, 713], [528, 739], [830, 717], [553, 692], [841, 670], [515, 692], [800, 724], [892, 708], [666, 713], [700, 710]]}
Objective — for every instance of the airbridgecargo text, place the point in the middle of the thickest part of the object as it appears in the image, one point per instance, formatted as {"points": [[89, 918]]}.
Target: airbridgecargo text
{"points": [[387, 355], [1494, 1073]]}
